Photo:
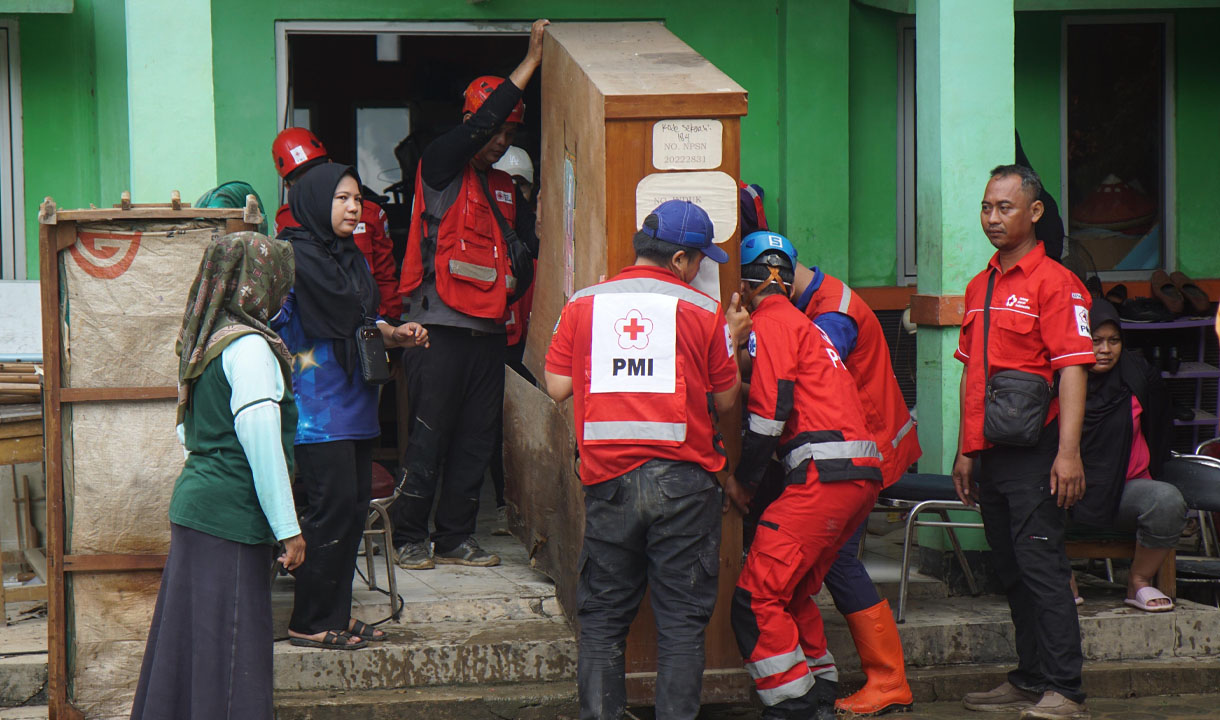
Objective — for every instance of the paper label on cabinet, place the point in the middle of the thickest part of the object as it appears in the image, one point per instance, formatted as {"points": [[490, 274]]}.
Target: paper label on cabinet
{"points": [[687, 144]]}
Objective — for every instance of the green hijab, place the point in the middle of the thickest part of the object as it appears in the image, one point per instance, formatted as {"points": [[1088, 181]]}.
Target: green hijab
{"points": [[242, 282]]}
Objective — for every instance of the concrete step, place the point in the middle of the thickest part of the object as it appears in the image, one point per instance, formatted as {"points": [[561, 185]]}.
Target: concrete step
{"points": [[442, 653], [966, 630], [519, 701]]}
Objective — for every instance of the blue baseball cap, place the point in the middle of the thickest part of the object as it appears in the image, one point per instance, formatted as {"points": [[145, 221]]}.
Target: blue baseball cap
{"points": [[757, 243], [684, 223]]}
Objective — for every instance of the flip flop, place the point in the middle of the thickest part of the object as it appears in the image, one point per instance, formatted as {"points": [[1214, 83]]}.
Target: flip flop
{"points": [[330, 641], [1117, 295], [368, 632], [1198, 300], [1164, 290], [1145, 595]]}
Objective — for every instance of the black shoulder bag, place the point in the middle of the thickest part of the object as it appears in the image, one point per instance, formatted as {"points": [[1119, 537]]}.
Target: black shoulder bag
{"points": [[1015, 407], [520, 259], [370, 347]]}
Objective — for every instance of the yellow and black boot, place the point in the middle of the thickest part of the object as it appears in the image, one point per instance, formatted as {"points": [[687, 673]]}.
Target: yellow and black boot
{"points": [[885, 689]]}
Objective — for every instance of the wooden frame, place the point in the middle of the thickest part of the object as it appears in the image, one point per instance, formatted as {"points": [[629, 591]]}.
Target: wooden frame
{"points": [[57, 233]]}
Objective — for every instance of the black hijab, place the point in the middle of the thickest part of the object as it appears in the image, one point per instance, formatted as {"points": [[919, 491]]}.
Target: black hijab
{"points": [[335, 291], [1107, 435]]}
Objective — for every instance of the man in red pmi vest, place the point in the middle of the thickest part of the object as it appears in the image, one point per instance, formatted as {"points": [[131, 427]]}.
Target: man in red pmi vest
{"points": [[857, 336], [294, 151], [804, 408], [652, 360], [457, 280]]}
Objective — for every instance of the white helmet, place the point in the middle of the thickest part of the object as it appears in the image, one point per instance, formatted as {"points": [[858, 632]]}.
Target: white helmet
{"points": [[516, 161]]}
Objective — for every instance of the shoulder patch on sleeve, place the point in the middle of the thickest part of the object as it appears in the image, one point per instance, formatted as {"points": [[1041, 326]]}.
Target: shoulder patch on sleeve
{"points": [[1082, 321], [728, 342], [752, 344]]}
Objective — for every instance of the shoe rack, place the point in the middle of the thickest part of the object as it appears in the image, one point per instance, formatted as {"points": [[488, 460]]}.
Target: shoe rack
{"points": [[1193, 383]]}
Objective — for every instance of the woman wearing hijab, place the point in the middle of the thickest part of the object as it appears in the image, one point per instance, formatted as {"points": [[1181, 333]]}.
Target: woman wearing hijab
{"points": [[333, 297], [1124, 443], [209, 647]]}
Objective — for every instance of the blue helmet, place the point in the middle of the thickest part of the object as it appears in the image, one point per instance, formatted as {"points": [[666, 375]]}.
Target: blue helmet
{"points": [[757, 243]]}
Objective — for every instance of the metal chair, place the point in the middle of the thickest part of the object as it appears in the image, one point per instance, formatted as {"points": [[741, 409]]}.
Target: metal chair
{"points": [[379, 523], [917, 493], [1198, 478]]}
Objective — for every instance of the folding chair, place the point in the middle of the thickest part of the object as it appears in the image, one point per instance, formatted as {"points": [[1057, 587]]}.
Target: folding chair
{"points": [[917, 493]]}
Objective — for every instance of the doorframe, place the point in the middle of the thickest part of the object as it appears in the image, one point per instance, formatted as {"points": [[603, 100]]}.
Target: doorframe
{"points": [[12, 172], [284, 28]]}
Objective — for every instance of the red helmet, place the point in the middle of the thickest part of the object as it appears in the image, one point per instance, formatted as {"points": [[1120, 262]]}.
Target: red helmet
{"points": [[295, 147], [478, 91]]}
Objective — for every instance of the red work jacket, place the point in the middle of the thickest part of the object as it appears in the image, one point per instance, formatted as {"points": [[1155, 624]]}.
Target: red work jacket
{"points": [[1039, 324], [802, 393], [372, 236], [644, 352], [473, 272], [885, 410]]}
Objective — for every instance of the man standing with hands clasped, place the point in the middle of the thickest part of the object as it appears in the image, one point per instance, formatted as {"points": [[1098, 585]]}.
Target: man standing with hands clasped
{"points": [[1027, 318]]}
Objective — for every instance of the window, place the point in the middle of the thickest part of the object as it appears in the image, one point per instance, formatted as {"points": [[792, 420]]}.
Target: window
{"points": [[906, 153], [1116, 141], [12, 197]]}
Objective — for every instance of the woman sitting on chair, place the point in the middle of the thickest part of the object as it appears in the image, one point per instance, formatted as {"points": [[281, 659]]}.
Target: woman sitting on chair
{"points": [[1124, 443]]}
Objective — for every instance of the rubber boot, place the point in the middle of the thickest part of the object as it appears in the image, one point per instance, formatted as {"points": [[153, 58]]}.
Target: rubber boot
{"points": [[885, 689], [823, 696]]}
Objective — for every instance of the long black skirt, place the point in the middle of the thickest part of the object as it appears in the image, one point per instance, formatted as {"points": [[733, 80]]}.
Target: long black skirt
{"points": [[210, 644]]}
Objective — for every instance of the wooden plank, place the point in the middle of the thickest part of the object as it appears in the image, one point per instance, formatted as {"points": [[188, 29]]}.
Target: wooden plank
{"points": [[25, 428], [21, 450], [24, 593], [20, 413], [886, 297], [656, 107], [51, 239], [37, 560], [938, 310], [112, 563], [116, 394], [146, 213]]}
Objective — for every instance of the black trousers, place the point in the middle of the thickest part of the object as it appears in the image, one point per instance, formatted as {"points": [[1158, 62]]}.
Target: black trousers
{"points": [[1025, 528], [657, 526], [456, 393], [337, 479]]}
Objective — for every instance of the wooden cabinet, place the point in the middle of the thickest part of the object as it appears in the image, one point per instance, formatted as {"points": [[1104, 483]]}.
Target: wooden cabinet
{"points": [[632, 116]]}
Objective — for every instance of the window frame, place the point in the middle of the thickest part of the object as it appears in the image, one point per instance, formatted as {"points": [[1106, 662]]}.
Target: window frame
{"points": [[1169, 208], [12, 161]]}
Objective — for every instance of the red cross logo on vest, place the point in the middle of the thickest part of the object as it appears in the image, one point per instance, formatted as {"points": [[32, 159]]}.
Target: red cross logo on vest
{"points": [[633, 330]]}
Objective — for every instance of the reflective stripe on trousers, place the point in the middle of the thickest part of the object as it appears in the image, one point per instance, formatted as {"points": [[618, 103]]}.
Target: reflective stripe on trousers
{"points": [[844, 450]]}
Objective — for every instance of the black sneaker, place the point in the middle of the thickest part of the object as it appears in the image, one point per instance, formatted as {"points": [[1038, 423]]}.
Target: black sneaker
{"points": [[468, 553], [414, 556]]}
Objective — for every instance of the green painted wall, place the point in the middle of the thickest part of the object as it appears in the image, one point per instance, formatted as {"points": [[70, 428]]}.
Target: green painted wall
{"points": [[1198, 142], [873, 147], [741, 42], [1036, 66], [74, 109]]}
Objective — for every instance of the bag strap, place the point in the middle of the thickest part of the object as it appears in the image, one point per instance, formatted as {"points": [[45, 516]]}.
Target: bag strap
{"points": [[495, 209], [987, 323]]}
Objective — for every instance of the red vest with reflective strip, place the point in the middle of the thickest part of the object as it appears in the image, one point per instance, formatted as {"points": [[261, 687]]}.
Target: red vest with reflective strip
{"points": [[473, 275], [885, 410], [825, 426]]}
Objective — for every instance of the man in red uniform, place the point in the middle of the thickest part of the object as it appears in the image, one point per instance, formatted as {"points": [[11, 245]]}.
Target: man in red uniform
{"points": [[294, 151], [856, 335], [1036, 314], [457, 281], [651, 356], [804, 408]]}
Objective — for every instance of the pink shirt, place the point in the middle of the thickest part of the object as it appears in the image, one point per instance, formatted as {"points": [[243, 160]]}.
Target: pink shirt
{"points": [[1137, 466]]}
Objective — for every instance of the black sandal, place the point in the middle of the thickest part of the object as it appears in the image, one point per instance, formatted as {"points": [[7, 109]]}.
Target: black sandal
{"points": [[367, 632], [330, 641]]}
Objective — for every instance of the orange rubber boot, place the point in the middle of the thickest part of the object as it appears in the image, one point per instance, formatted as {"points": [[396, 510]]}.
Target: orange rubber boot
{"points": [[885, 689]]}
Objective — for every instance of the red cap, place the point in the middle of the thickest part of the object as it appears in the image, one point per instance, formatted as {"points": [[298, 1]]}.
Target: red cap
{"points": [[293, 148], [480, 89]]}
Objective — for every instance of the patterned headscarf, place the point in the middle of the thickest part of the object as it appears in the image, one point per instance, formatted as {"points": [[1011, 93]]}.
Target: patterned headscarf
{"points": [[242, 282]]}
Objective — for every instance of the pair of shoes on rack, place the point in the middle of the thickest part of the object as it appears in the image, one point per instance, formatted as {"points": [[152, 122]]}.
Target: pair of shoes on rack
{"points": [[1180, 294]]}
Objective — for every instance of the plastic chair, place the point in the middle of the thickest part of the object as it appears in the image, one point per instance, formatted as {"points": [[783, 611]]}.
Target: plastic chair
{"points": [[917, 493], [1197, 477]]}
